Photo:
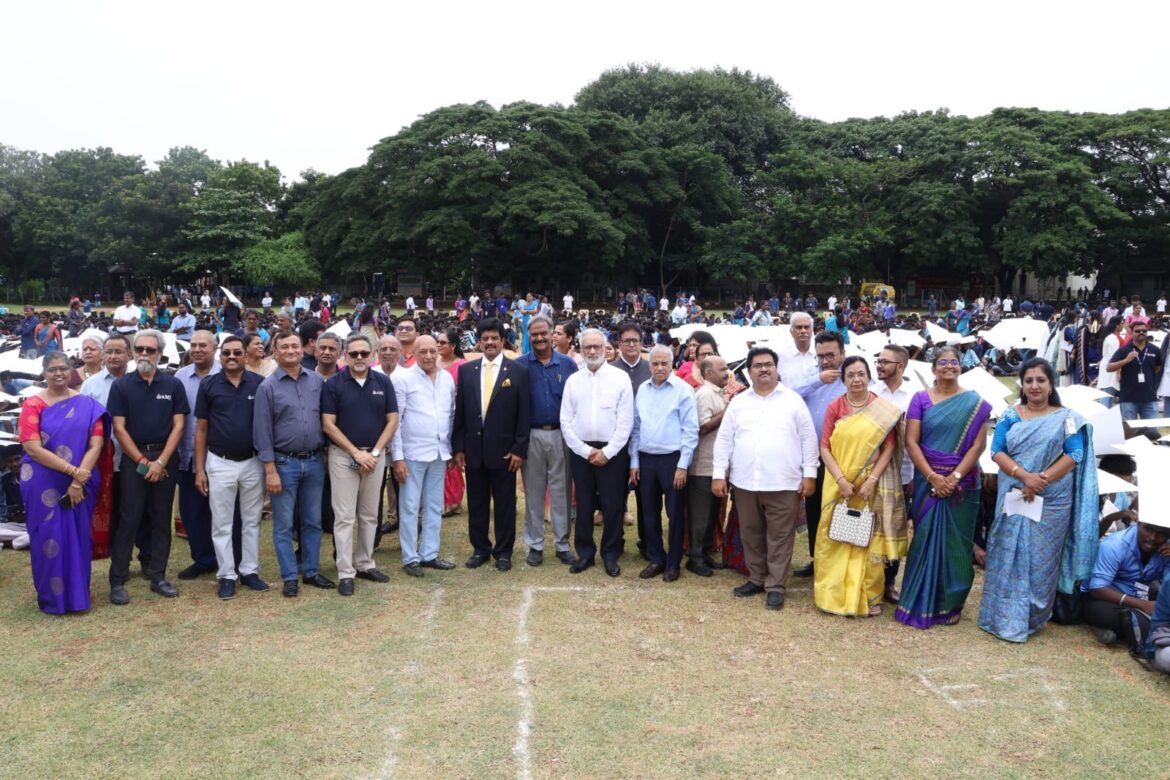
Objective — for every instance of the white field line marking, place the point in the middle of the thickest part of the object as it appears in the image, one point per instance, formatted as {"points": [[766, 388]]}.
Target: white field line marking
{"points": [[523, 686], [393, 737], [431, 615], [943, 691]]}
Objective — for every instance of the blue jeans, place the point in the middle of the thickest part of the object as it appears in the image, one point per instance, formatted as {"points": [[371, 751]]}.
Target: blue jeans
{"points": [[424, 484], [301, 483], [1145, 410], [195, 509]]}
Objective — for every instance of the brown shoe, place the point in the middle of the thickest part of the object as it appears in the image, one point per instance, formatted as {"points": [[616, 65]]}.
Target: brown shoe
{"points": [[651, 570], [670, 576]]}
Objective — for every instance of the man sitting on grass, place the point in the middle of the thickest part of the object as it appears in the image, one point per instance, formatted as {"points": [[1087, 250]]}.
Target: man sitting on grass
{"points": [[1121, 590]]}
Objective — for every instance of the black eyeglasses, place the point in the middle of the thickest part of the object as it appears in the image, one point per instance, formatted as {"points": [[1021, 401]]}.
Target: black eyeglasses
{"points": [[232, 353], [359, 353], [145, 350]]}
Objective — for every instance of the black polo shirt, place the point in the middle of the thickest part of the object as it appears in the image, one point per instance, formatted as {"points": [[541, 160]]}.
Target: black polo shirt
{"points": [[361, 410], [1149, 363], [228, 411], [149, 408]]}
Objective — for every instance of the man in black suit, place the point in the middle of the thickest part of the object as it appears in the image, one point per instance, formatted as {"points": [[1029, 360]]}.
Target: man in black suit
{"points": [[490, 440]]}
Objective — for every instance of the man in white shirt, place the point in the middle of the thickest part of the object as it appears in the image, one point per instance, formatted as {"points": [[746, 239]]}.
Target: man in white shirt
{"points": [[205, 301], [410, 306], [420, 450], [799, 359], [567, 304], [266, 302], [597, 415], [1008, 303], [832, 302], [1160, 305], [767, 450], [678, 314], [891, 366], [663, 304], [473, 304], [127, 316]]}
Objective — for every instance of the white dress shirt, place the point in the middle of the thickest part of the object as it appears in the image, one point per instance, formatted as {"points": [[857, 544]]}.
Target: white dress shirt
{"points": [[130, 312], [497, 363], [768, 442], [794, 365], [597, 406], [426, 412], [901, 399], [1108, 380]]}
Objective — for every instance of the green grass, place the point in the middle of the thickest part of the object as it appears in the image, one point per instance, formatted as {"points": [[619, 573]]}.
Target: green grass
{"points": [[624, 678]]}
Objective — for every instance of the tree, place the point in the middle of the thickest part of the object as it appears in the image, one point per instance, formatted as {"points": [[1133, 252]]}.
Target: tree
{"points": [[284, 260], [234, 210]]}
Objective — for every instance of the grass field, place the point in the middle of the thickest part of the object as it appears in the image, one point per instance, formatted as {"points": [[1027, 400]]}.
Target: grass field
{"points": [[538, 673]]}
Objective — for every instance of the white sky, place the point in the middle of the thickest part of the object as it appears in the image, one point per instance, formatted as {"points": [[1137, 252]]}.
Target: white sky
{"points": [[317, 84]]}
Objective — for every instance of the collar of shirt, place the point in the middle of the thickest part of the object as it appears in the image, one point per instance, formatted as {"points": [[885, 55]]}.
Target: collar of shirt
{"points": [[496, 362], [628, 363]]}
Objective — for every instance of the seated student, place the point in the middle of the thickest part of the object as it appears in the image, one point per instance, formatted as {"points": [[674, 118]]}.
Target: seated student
{"points": [[11, 504], [1125, 467], [1156, 648], [1118, 596]]}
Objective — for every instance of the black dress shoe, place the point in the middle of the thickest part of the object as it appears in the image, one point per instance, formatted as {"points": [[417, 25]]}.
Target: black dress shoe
{"points": [[438, 563], [612, 568], [651, 570], [891, 595], [253, 582], [119, 596], [345, 587], [291, 589], [566, 557], [476, 560], [389, 528], [749, 588], [579, 566], [373, 575], [535, 557], [164, 588], [227, 588], [670, 575], [504, 564], [413, 569], [775, 600], [695, 566], [803, 571], [319, 581], [713, 564], [193, 571]]}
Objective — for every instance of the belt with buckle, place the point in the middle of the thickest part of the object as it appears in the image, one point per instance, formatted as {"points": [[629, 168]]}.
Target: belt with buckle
{"points": [[234, 456], [153, 446], [302, 455]]}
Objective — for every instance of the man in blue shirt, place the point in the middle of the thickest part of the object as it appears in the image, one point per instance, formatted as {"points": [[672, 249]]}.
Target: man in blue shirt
{"points": [[27, 331], [547, 465], [664, 437], [819, 389], [1118, 598]]}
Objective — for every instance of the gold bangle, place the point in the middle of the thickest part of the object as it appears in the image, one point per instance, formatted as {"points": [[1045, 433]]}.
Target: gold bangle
{"points": [[1017, 468]]}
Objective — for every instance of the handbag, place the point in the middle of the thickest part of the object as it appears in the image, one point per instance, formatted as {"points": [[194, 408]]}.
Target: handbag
{"points": [[851, 526]]}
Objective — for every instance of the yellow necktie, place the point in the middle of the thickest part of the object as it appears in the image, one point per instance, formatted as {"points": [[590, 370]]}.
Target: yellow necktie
{"points": [[489, 383]]}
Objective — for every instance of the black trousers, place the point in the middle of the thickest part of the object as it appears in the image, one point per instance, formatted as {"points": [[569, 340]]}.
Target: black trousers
{"points": [[637, 510], [142, 540], [143, 502], [489, 489], [656, 486], [702, 514], [605, 485], [387, 481], [1116, 618], [812, 510]]}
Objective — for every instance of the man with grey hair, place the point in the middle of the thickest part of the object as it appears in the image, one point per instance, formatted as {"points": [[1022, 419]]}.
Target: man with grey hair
{"points": [[149, 410], [547, 465], [665, 432], [702, 508], [389, 350], [799, 359], [359, 414], [597, 414], [194, 506]]}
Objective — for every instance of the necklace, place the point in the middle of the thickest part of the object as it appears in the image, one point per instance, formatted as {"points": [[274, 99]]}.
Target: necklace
{"points": [[856, 406]]}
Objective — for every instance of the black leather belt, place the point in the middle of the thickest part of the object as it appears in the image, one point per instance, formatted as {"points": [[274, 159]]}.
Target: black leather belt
{"points": [[234, 456], [153, 446], [598, 445], [302, 455]]}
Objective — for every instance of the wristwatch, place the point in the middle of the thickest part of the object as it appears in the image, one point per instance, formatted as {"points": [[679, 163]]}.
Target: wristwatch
{"points": [[958, 475]]}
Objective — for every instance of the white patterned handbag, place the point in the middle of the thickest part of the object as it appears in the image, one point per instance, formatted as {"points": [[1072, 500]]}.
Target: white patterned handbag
{"points": [[851, 526]]}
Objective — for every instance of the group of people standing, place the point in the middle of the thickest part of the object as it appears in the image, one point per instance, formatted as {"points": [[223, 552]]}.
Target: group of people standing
{"points": [[812, 437]]}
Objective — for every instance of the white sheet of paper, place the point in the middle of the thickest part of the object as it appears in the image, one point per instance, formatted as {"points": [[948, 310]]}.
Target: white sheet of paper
{"points": [[1014, 504]]}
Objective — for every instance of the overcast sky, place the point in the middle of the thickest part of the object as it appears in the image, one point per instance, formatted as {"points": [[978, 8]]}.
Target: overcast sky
{"points": [[317, 84]]}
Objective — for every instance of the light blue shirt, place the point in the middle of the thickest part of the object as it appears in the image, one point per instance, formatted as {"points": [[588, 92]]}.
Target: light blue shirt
{"points": [[183, 321], [426, 412], [190, 382], [817, 396], [666, 420]]}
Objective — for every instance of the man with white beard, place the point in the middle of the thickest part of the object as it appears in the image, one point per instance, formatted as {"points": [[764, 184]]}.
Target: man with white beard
{"points": [[149, 410]]}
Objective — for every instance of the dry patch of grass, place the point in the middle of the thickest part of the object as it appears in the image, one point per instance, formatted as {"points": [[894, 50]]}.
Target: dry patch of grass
{"points": [[612, 678]]}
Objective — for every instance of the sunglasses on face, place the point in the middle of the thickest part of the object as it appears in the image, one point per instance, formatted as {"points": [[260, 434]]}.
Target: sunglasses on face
{"points": [[145, 350], [232, 353], [359, 353]]}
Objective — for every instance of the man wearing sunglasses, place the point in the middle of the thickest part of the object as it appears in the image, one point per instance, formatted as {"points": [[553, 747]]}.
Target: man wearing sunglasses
{"points": [[359, 414], [149, 410], [1139, 364], [226, 467]]}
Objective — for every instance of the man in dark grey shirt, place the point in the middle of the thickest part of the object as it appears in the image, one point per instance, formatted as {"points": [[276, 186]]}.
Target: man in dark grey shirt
{"points": [[286, 428], [630, 360]]}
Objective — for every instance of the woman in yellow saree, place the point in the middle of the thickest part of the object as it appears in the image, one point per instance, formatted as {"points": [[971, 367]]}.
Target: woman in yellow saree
{"points": [[860, 439]]}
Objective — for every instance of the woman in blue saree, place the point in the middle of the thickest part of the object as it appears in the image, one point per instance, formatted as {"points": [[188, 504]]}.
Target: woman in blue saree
{"points": [[945, 435], [529, 309], [62, 433], [1044, 451]]}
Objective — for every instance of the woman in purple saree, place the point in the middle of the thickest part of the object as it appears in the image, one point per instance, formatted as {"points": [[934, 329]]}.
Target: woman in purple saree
{"points": [[62, 433]]}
